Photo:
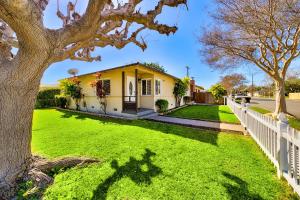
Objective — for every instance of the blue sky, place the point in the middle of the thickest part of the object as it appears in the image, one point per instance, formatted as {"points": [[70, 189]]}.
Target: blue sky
{"points": [[174, 52]]}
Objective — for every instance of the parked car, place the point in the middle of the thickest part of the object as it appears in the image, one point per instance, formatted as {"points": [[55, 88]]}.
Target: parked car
{"points": [[241, 98]]}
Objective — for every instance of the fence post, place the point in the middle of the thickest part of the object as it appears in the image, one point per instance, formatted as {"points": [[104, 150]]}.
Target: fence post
{"points": [[282, 148], [243, 114], [246, 115]]}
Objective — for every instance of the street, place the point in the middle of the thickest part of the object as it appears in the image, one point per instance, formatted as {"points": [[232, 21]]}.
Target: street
{"points": [[293, 106]]}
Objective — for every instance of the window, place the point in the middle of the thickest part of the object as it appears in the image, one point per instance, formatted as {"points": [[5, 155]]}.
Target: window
{"points": [[157, 87], [146, 87], [106, 86]]}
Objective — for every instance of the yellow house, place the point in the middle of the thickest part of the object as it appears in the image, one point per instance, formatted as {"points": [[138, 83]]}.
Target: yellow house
{"points": [[132, 90]]}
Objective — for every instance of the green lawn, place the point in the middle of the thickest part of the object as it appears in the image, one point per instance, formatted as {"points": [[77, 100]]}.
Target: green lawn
{"points": [[294, 122], [149, 160], [260, 110], [209, 112]]}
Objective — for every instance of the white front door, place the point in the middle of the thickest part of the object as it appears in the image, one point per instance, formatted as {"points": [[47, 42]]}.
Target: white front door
{"points": [[131, 88]]}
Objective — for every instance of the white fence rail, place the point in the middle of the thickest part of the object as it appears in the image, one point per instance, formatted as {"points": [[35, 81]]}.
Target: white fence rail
{"points": [[277, 139]]}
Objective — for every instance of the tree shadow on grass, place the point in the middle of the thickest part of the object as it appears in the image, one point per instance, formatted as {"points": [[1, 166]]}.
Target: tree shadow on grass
{"points": [[205, 136], [69, 114], [241, 191], [225, 112], [139, 171]]}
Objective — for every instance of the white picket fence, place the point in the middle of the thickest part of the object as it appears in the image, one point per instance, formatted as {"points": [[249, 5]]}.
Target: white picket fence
{"points": [[277, 139]]}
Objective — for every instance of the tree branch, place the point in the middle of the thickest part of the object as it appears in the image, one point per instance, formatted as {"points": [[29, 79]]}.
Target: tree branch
{"points": [[102, 18]]}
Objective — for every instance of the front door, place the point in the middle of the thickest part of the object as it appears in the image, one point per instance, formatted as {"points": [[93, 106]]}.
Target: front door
{"points": [[131, 89]]}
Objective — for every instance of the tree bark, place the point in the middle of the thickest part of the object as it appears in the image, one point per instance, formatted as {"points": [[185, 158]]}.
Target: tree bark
{"points": [[16, 111], [280, 97]]}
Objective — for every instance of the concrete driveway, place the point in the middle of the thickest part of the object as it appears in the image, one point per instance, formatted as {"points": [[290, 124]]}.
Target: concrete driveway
{"points": [[293, 106]]}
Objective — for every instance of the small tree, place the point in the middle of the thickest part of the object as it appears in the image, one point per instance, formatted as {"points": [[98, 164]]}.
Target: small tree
{"points": [[100, 92], [180, 89], [264, 33], [71, 87], [155, 66], [218, 91], [232, 82]]}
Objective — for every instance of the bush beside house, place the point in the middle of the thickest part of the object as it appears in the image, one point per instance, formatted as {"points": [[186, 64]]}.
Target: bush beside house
{"points": [[46, 98], [162, 105], [61, 101]]}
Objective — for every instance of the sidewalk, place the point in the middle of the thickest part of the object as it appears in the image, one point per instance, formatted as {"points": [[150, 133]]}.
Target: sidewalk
{"points": [[199, 124]]}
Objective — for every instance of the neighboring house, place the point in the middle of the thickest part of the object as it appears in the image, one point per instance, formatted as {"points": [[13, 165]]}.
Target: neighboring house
{"points": [[199, 89], [195, 89], [132, 89]]}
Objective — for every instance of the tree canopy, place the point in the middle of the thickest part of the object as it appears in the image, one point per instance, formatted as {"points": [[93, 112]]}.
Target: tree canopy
{"points": [[218, 91], [28, 48], [264, 33], [155, 66], [233, 82]]}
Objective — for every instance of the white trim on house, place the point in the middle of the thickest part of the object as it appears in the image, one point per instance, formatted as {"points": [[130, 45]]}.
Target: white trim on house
{"points": [[146, 79], [159, 89]]}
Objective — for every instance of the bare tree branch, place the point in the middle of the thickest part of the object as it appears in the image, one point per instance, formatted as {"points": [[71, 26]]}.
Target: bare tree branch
{"points": [[106, 18], [261, 32]]}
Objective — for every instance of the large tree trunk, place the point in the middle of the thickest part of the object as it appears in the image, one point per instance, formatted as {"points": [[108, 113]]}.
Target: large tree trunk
{"points": [[16, 111], [280, 97]]}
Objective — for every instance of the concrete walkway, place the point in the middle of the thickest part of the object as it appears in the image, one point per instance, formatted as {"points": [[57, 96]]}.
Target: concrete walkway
{"points": [[199, 124]]}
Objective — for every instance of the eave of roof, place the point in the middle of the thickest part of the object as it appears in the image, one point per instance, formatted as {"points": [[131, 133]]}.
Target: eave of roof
{"points": [[130, 65]]}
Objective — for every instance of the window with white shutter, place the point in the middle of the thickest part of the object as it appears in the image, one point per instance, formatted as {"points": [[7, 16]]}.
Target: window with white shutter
{"points": [[146, 87], [157, 87]]}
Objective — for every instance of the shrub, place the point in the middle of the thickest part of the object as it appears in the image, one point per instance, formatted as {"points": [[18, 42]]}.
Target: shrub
{"points": [[48, 93], [61, 101], [162, 105], [46, 98]]}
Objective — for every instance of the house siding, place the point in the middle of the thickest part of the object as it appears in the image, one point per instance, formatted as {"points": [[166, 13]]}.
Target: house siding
{"points": [[114, 100], [167, 86]]}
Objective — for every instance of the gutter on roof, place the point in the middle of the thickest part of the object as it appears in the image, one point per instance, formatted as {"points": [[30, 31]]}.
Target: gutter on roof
{"points": [[130, 65]]}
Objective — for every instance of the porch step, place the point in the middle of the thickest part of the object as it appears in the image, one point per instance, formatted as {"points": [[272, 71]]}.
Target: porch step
{"points": [[142, 113]]}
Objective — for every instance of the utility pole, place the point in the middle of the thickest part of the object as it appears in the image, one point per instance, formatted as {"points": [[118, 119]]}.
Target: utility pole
{"points": [[252, 73], [187, 71], [252, 87]]}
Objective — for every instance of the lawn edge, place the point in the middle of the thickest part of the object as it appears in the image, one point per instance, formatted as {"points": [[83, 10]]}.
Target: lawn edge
{"points": [[206, 120], [199, 127]]}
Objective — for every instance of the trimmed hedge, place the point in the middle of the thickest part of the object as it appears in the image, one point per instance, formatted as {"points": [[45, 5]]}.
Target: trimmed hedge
{"points": [[46, 98], [162, 105]]}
